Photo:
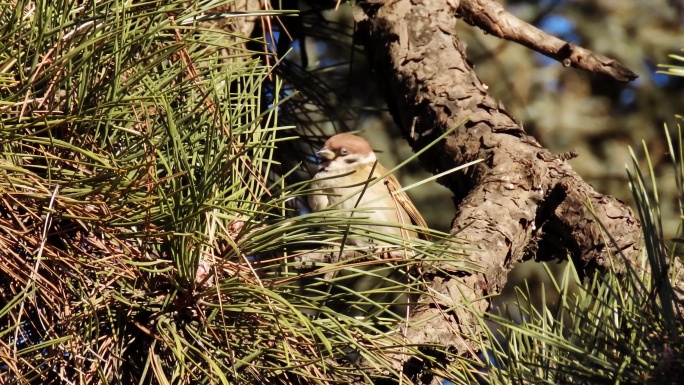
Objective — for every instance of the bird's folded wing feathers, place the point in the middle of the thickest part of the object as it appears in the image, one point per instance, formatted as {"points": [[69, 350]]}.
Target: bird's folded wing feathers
{"points": [[404, 201]]}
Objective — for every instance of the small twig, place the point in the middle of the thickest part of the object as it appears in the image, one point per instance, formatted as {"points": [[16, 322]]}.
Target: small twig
{"points": [[334, 255], [33, 277], [492, 18], [563, 157]]}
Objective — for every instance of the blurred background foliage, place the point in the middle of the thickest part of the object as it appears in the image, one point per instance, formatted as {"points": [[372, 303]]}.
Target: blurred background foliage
{"points": [[563, 108]]}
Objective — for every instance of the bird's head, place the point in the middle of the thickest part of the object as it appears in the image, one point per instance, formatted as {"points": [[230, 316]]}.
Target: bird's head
{"points": [[345, 151]]}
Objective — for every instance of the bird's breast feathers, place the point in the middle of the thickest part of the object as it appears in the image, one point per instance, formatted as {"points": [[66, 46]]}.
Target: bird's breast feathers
{"points": [[334, 186]]}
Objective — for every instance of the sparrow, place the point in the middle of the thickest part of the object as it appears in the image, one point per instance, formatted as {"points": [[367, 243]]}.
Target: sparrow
{"points": [[349, 164], [345, 180]]}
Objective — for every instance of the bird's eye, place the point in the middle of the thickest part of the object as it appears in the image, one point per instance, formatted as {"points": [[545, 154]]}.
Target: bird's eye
{"points": [[344, 151]]}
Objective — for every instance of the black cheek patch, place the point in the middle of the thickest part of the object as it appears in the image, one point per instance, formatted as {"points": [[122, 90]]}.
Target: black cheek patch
{"points": [[350, 160]]}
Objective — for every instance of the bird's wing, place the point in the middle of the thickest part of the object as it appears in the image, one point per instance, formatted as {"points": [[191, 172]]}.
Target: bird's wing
{"points": [[402, 199]]}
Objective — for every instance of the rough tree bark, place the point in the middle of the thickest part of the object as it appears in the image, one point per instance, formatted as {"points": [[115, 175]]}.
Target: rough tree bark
{"points": [[522, 199]]}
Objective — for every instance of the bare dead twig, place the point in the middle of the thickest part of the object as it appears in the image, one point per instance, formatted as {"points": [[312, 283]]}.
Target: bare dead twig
{"points": [[492, 18], [326, 256]]}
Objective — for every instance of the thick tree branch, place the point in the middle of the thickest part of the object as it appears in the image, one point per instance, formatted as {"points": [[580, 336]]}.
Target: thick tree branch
{"points": [[492, 18], [517, 202]]}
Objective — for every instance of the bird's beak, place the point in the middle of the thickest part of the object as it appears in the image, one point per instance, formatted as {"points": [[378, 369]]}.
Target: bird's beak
{"points": [[326, 154]]}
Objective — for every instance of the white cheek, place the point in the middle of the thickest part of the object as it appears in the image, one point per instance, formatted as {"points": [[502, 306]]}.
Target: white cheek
{"points": [[370, 158], [337, 164]]}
